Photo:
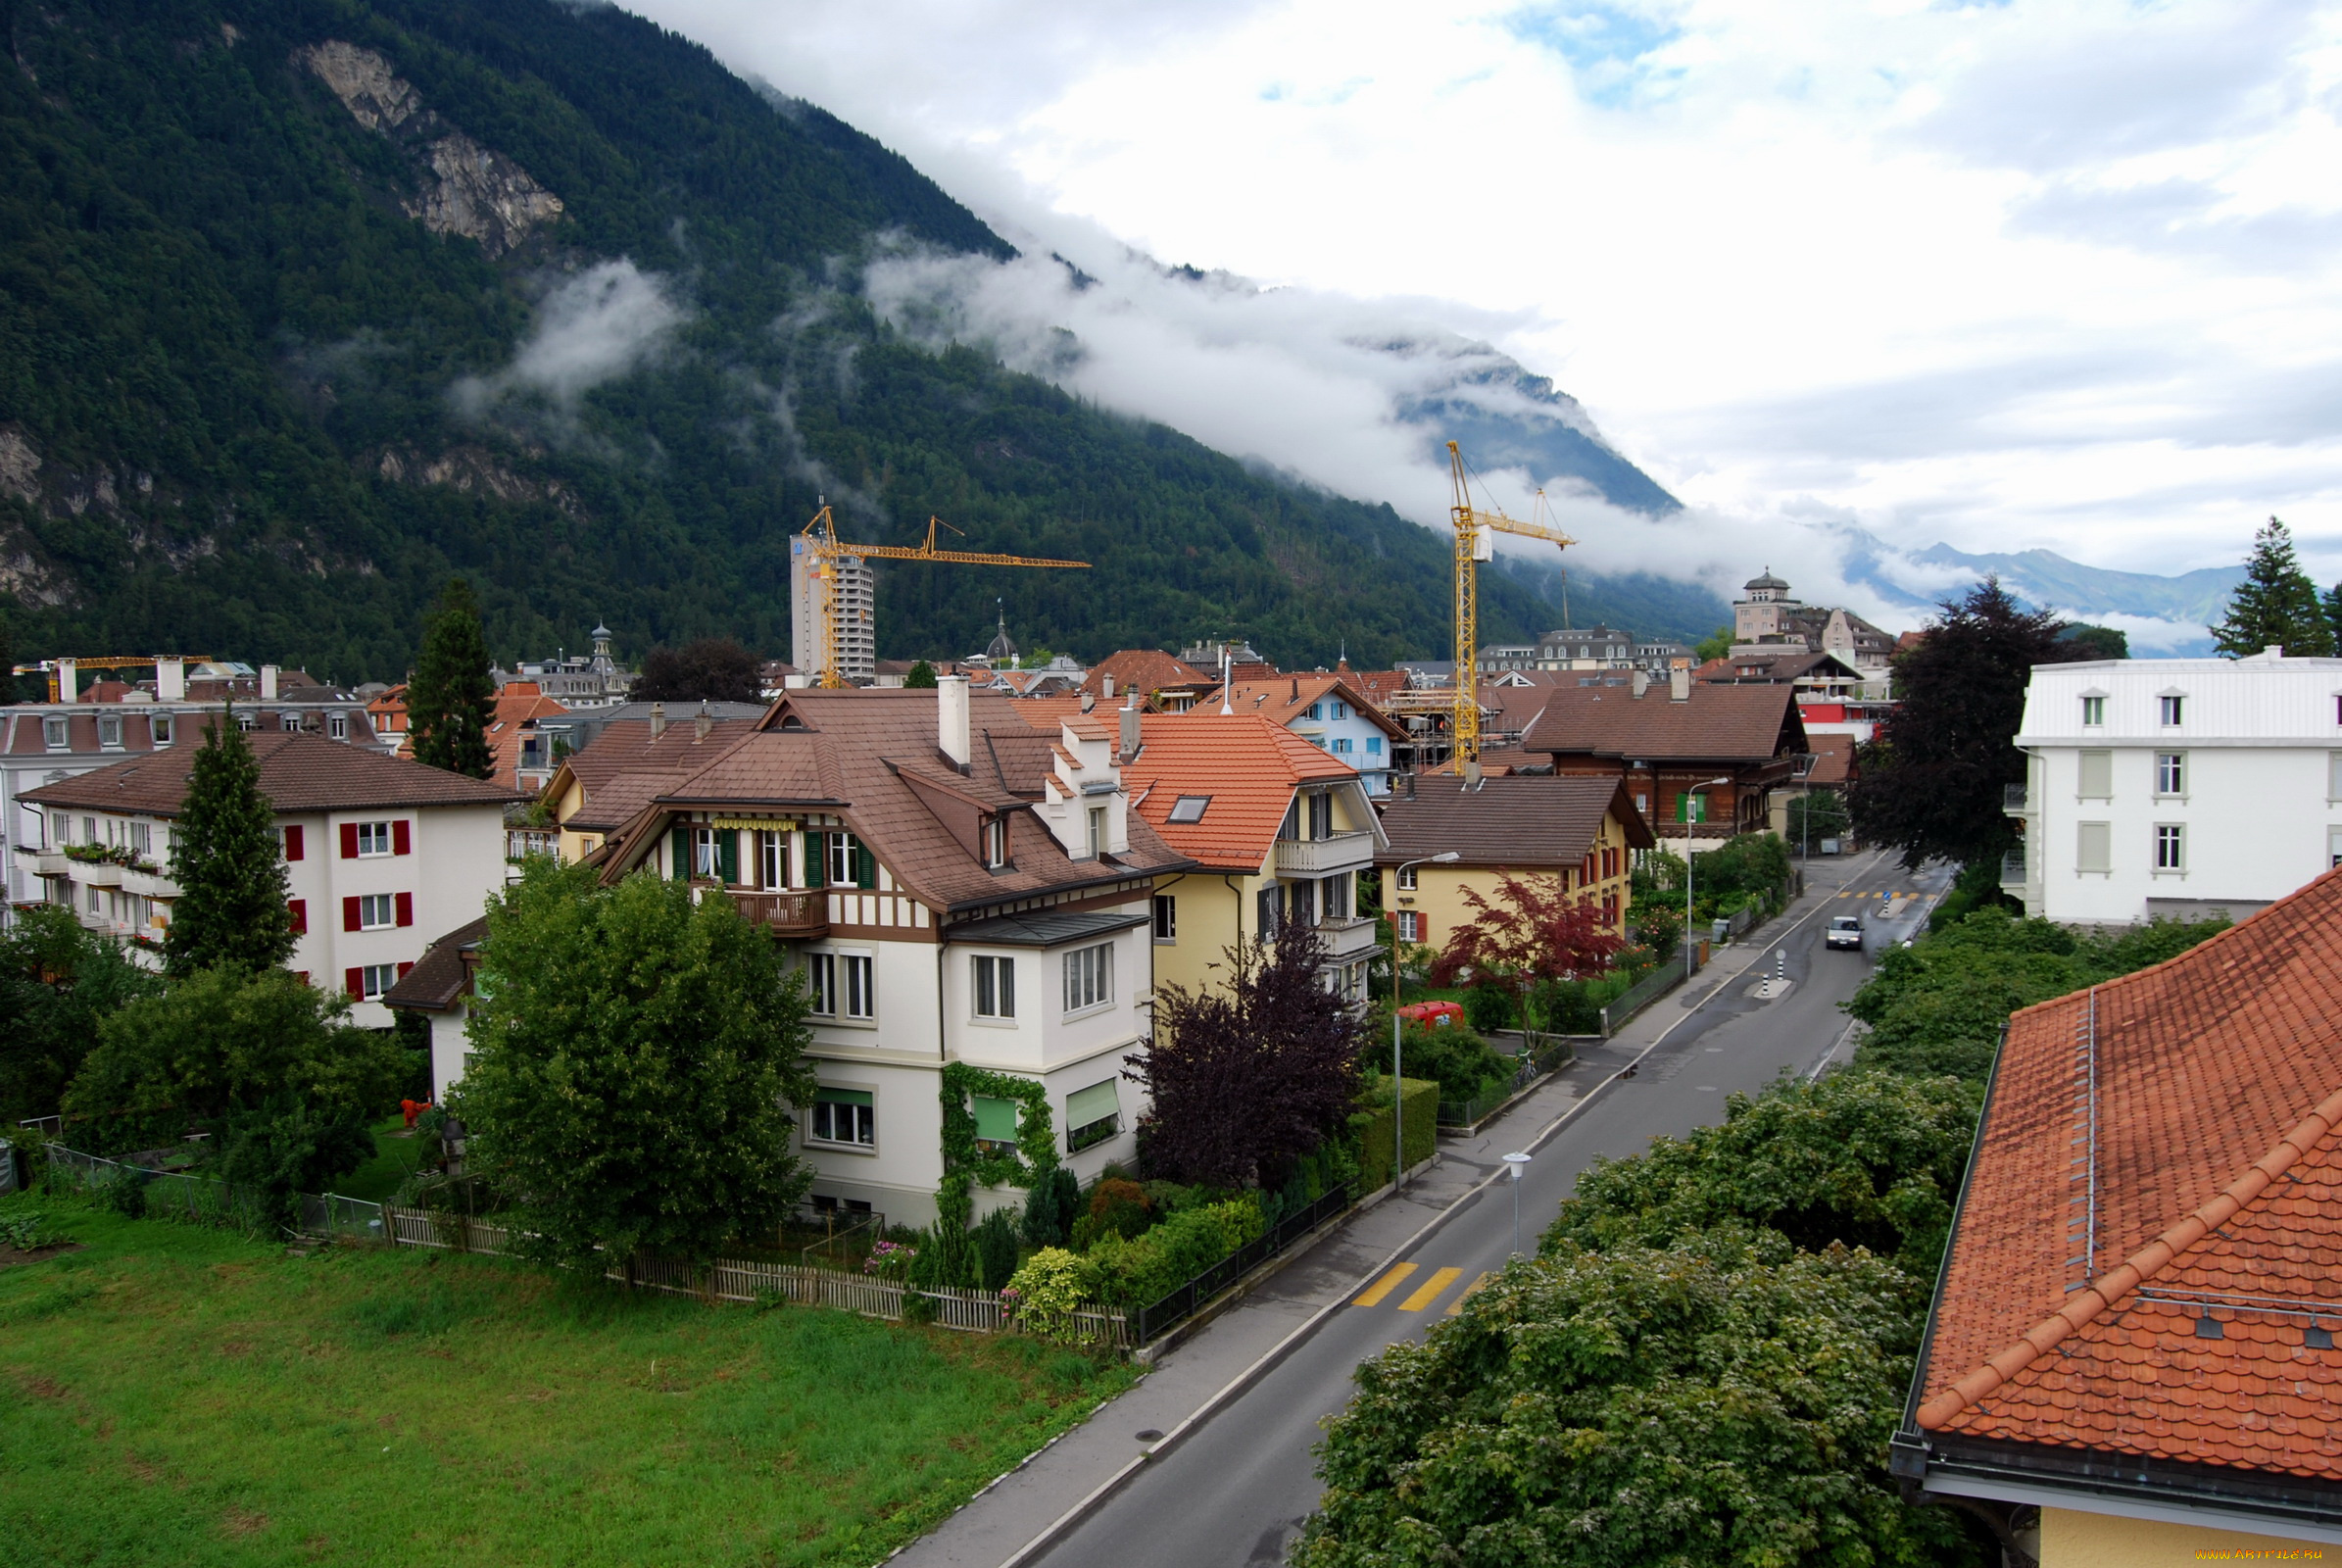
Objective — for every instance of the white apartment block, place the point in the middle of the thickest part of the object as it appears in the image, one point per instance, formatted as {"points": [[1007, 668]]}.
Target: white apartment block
{"points": [[379, 852], [2177, 787], [814, 585]]}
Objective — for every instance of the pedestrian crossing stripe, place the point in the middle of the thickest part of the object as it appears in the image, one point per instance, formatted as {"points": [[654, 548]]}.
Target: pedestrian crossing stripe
{"points": [[1431, 1290], [1385, 1286], [1457, 1305]]}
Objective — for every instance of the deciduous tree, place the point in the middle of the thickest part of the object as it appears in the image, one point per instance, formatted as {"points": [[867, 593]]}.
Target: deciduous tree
{"points": [[713, 669], [1931, 784], [635, 1056], [1249, 1078], [59, 980], [231, 907], [1535, 931], [452, 697], [2276, 604]]}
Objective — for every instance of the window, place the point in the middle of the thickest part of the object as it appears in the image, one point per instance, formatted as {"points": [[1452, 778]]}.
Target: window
{"points": [[1374, 745], [2171, 847], [849, 864], [1406, 877], [1091, 1116], [2170, 710], [1190, 808], [1320, 816], [2094, 847], [995, 841], [2333, 847], [376, 913], [54, 734], [2097, 778], [995, 1123], [996, 988], [845, 1116], [1314, 710], [371, 838], [2171, 772], [290, 841], [1098, 831], [374, 981], [821, 982], [706, 852], [2333, 776], [1166, 917], [93, 901], [89, 830], [109, 729], [1334, 896], [1089, 977], [772, 860], [1341, 743], [1412, 927], [862, 1002], [159, 727], [2093, 711], [247, 723], [1341, 710], [142, 838]]}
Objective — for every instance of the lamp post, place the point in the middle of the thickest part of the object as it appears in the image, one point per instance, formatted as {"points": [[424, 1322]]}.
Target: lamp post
{"points": [[1399, 1082], [1514, 1164], [1690, 817]]}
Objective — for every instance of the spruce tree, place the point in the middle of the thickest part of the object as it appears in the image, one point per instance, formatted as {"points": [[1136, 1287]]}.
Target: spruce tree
{"points": [[231, 904], [449, 700], [2332, 605], [2276, 604]]}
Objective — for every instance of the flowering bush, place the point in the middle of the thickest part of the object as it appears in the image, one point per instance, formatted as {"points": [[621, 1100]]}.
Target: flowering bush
{"points": [[890, 1260], [1046, 1292]]}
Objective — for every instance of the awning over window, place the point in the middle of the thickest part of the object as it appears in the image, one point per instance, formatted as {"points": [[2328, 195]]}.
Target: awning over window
{"points": [[996, 1119], [1094, 1104], [843, 1097]]}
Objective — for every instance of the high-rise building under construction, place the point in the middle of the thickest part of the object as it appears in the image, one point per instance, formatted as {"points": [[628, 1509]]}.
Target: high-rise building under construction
{"points": [[814, 584]]}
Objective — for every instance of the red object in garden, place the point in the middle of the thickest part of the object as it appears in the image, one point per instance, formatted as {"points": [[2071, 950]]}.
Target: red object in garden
{"points": [[1434, 1015], [412, 1108]]}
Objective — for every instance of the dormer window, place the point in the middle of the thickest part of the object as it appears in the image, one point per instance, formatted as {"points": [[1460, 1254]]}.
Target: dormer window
{"points": [[159, 727], [1096, 831], [110, 730], [995, 841], [337, 725], [54, 734], [2171, 708]]}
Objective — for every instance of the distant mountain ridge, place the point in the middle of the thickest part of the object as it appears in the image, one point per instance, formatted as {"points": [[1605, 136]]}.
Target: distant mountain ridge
{"points": [[2166, 616]]}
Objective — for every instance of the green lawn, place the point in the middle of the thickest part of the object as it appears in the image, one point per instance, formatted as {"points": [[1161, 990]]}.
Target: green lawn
{"points": [[178, 1395], [394, 1158]]}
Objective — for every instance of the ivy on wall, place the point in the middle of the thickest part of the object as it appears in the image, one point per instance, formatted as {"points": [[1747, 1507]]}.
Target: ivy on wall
{"points": [[965, 1164]]}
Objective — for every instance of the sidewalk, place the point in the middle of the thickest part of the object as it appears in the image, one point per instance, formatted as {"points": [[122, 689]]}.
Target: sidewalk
{"points": [[1002, 1518]]}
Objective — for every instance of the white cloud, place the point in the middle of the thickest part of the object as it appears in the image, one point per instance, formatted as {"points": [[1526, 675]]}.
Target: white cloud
{"points": [[590, 329]]}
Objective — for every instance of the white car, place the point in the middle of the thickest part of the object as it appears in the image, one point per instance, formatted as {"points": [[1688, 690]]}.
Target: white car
{"points": [[1845, 931]]}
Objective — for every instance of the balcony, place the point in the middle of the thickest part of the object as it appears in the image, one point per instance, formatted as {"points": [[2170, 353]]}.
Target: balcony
{"points": [[98, 873], [1347, 938], [149, 884], [46, 862], [791, 916], [1343, 852], [2011, 869], [2012, 799]]}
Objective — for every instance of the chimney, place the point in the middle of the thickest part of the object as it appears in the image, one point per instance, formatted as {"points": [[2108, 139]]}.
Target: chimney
{"points": [[171, 680], [657, 720], [1109, 688], [1090, 701], [68, 681], [951, 721], [1472, 773], [1129, 732], [1296, 690], [1679, 684], [1641, 683], [702, 722], [268, 683]]}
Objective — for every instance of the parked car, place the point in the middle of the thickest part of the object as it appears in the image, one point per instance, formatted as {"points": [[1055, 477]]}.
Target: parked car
{"points": [[1845, 931]]}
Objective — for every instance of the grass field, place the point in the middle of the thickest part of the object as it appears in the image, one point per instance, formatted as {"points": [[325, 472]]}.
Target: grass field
{"points": [[169, 1395], [394, 1160]]}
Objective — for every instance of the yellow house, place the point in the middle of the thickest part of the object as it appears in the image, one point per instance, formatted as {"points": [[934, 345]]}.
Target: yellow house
{"points": [[1579, 829], [1279, 830]]}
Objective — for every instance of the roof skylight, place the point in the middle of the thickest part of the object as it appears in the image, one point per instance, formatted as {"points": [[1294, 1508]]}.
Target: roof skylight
{"points": [[1189, 807]]}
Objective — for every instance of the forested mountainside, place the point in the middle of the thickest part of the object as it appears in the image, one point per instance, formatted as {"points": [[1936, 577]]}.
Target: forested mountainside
{"points": [[308, 304]]}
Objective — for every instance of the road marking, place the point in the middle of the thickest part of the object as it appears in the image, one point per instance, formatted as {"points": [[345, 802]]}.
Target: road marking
{"points": [[1431, 1290], [1457, 1305], [1385, 1286]]}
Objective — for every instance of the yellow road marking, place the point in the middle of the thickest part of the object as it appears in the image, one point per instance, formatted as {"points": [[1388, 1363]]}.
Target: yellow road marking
{"points": [[1430, 1289], [1384, 1286], [1457, 1305]]}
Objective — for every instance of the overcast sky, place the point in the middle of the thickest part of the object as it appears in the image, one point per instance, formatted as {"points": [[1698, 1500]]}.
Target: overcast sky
{"points": [[2055, 273]]}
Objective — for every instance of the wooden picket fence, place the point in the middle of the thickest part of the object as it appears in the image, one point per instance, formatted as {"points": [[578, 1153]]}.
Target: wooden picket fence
{"points": [[729, 1278]]}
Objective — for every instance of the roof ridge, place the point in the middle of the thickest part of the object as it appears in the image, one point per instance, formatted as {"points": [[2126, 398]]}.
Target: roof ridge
{"points": [[2086, 1304]]}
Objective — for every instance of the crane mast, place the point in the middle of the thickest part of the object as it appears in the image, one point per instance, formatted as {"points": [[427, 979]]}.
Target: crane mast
{"points": [[824, 545], [1476, 529]]}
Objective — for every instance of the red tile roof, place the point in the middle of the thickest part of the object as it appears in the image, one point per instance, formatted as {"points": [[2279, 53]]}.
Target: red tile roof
{"points": [[518, 706], [1248, 765], [2217, 1176], [1045, 713], [298, 774], [1287, 697]]}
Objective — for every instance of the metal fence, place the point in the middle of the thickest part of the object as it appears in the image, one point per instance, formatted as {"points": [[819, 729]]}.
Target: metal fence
{"points": [[1555, 1053], [331, 1214], [170, 1195], [1620, 1010], [1154, 1320]]}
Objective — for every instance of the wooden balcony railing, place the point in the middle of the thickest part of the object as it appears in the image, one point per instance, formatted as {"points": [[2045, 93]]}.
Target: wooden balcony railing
{"points": [[797, 917]]}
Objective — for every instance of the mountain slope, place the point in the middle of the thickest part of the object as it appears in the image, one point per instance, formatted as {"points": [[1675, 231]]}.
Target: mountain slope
{"points": [[306, 305]]}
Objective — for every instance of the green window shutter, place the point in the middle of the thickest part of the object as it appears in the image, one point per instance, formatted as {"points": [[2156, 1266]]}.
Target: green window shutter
{"points": [[865, 865], [996, 1119], [727, 855], [681, 845], [843, 1097], [814, 875], [1094, 1104]]}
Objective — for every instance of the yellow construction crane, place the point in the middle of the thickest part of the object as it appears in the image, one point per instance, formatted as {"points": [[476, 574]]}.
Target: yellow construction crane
{"points": [[824, 545], [1475, 542]]}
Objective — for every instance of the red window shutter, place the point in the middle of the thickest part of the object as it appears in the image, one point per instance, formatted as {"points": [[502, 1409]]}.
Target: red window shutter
{"points": [[349, 841], [400, 843], [301, 975], [292, 841], [404, 967], [405, 906], [354, 982], [298, 909], [349, 914]]}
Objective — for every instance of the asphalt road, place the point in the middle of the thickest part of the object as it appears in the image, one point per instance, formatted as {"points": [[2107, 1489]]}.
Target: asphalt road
{"points": [[1235, 1492]]}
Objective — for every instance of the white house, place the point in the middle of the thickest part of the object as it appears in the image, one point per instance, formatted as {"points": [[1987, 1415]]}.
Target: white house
{"points": [[379, 851], [2180, 787], [955, 886]]}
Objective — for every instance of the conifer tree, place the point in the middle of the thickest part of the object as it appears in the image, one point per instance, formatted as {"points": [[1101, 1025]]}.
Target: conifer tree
{"points": [[921, 677], [451, 698], [232, 906], [2331, 604], [2276, 604]]}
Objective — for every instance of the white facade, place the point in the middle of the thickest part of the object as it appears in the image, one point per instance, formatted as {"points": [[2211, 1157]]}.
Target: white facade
{"points": [[813, 585], [2178, 787]]}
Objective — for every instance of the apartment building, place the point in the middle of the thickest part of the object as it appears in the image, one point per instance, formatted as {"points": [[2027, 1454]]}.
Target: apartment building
{"points": [[1331, 712], [1582, 831]]}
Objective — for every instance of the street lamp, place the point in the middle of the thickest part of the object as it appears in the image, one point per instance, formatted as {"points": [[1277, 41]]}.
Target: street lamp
{"points": [[1514, 1164], [1690, 793], [1399, 1082]]}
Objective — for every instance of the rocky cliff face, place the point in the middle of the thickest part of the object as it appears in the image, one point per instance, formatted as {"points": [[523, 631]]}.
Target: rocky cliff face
{"points": [[465, 188]]}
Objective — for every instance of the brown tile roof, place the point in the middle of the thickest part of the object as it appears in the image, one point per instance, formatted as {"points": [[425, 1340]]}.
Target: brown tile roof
{"points": [[1378, 686], [2219, 1193], [1717, 723], [1150, 669], [1285, 699], [624, 768], [1833, 759], [437, 978], [298, 774], [1248, 765], [1508, 822], [869, 755]]}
